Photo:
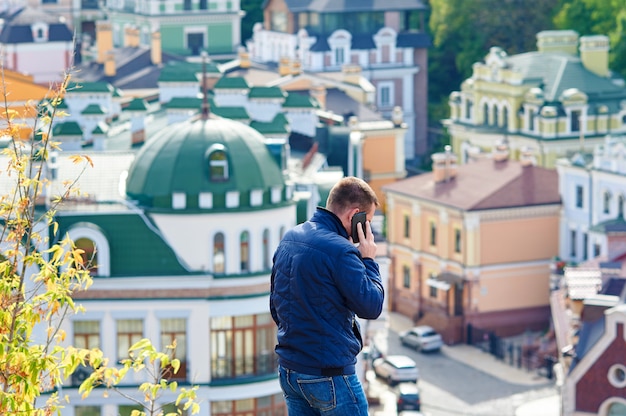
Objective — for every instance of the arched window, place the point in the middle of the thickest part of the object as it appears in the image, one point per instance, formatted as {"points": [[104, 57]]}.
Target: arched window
{"points": [[606, 205], [496, 118], [266, 249], [505, 117], [218, 163], [620, 207], [219, 257], [468, 109], [89, 254], [245, 252], [97, 254], [485, 114]]}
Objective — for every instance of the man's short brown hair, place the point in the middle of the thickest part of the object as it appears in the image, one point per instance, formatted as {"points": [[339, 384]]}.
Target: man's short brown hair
{"points": [[351, 192]]}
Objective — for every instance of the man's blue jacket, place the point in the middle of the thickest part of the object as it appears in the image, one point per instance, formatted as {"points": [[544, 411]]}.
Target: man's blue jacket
{"points": [[319, 282]]}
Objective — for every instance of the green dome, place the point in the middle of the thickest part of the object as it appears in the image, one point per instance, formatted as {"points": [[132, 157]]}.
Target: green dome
{"points": [[205, 159]]}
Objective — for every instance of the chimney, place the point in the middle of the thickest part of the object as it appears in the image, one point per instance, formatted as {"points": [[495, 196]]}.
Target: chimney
{"points": [[134, 37], [128, 33], [500, 152], [558, 41], [104, 39], [594, 54], [109, 64], [296, 67], [351, 73], [284, 66], [318, 92], [156, 55], [527, 157], [444, 165], [244, 58]]}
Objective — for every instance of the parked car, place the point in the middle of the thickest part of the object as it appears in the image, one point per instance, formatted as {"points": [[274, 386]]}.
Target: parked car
{"points": [[407, 397], [396, 368], [422, 338]]}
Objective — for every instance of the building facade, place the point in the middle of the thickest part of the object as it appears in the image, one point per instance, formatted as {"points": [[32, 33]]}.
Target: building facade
{"points": [[187, 27], [471, 245], [554, 101], [183, 252], [387, 44]]}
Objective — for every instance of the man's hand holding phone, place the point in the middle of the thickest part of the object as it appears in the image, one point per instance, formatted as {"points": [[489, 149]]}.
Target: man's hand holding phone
{"points": [[362, 234]]}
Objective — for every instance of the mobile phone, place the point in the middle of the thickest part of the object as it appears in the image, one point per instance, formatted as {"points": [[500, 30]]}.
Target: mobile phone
{"points": [[359, 217]]}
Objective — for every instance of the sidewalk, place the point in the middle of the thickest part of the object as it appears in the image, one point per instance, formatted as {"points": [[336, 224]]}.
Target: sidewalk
{"points": [[487, 363], [476, 358]]}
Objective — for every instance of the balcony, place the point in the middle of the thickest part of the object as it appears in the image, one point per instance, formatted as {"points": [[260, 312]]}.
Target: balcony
{"points": [[243, 369]]}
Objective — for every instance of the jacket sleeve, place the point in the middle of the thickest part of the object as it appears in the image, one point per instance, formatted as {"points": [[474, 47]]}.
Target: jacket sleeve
{"points": [[360, 284]]}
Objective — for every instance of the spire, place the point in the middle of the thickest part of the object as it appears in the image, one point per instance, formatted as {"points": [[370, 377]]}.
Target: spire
{"points": [[205, 98]]}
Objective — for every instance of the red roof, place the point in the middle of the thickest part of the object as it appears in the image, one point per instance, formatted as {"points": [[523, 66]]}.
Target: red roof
{"points": [[485, 184]]}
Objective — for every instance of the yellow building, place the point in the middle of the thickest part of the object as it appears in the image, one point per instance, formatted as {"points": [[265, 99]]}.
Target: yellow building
{"points": [[554, 101], [20, 96], [471, 244]]}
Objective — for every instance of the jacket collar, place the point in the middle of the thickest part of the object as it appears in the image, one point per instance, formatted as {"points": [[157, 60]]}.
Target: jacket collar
{"points": [[329, 219]]}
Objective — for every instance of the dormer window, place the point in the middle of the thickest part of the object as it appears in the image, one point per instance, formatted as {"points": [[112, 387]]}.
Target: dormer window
{"points": [[218, 163], [40, 32]]}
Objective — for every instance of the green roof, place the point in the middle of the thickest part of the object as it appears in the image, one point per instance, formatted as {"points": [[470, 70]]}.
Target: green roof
{"points": [[135, 248], [272, 127], [137, 104], [93, 109], [101, 128], [176, 160], [187, 103], [231, 83], [295, 100], [233, 113], [90, 87], [186, 71], [266, 92], [67, 128]]}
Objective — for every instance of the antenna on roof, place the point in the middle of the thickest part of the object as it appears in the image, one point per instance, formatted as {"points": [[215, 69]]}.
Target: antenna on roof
{"points": [[205, 98]]}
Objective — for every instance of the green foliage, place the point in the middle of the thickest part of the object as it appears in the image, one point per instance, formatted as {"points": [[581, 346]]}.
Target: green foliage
{"points": [[157, 366], [463, 31], [254, 14], [39, 273], [37, 280]]}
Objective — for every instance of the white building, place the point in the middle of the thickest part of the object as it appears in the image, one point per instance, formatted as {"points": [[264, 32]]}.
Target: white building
{"points": [[593, 192], [184, 252]]}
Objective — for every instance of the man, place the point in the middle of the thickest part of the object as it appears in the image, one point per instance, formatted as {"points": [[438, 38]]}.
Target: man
{"points": [[320, 281]]}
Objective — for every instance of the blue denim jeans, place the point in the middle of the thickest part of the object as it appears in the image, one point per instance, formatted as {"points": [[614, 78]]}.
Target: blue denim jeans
{"points": [[321, 395]]}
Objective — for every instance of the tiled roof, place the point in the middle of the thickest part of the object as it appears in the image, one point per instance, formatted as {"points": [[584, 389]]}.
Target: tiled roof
{"points": [[485, 184], [93, 109], [137, 104], [271, 127], [560, 71], [233, 113], [347, 6], [266, 92], [135, 244], [295, 100], [67, 128], [185, 103], [17, 27], [414, 40], [231, 83]]}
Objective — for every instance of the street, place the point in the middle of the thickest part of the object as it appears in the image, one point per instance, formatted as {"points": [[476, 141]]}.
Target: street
{"points": [[449, 387]]}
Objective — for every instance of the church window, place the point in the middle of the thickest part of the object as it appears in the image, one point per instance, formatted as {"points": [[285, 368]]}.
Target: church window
{"points": [[245, 252], [218, 164], [218, 254]]}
